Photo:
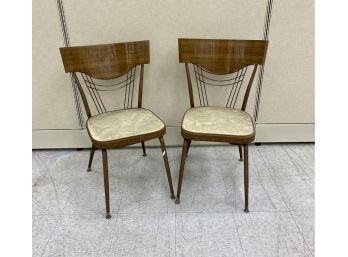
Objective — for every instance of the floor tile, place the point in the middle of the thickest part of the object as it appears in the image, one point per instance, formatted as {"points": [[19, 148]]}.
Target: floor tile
{"points": [[203, 194], [74, 165], [297, 191], [45, 198], [81, 235], [305, 221], [84, 191], [145, 195], [174, 157], [204, 234], [142, 235], [277, 160], [172, 234], [150, 166], [52, 191], [302, 155], [202, 161], [48, 157], [42, 227], [39, 168], [270, 234], [229, 163], [88, 197], [231, 166], [263, 194], [68, 203], [69, 167], [120, 161]]}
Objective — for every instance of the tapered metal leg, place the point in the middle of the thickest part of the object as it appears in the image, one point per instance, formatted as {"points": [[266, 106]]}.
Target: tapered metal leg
{"points": [[188, 147], [91, 158], [246, 179], [240, 153], [144, 151], [166, 163], [181, 173], [106, 183]]}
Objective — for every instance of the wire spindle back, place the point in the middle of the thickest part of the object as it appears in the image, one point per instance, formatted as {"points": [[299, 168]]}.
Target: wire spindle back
{"points": [[96, 87], [206, 79]]}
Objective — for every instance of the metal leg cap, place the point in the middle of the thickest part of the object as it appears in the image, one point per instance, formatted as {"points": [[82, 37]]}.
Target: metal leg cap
{"points": [[172, 196], [89, 169], [246, 210], [144, 154], [108, 216], [177, 201], [241, 159]]}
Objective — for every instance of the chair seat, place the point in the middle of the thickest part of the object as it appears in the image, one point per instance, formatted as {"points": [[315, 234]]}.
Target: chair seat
{"points": [[124, 127], [218, 124]]}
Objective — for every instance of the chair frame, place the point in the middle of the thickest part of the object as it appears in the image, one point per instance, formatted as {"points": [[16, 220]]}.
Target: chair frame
{"points": [[220, 57], [110, 61]]}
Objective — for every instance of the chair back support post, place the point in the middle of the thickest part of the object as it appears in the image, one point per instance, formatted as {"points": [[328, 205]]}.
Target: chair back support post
{"points": [[140, 93], [189, 83], [247, 91], [82, 94]]}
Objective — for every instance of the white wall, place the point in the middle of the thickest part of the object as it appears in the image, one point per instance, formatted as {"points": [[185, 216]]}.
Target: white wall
{"points": [[288, 88]]}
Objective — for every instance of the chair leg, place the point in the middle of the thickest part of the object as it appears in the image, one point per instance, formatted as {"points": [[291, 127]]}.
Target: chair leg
{"points": [[91, 158], [106, 183], [166, 163], [240, 153], [182, 166], [144, 151], [188, 147], [246, 179]]}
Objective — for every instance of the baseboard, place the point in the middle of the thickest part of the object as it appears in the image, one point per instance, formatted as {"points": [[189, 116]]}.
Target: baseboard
{"points": [[265, 133], [281, 133]]}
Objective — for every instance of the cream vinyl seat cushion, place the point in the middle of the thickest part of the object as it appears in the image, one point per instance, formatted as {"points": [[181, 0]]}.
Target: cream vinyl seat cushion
{"points": [[120, 124], [218, 121]]}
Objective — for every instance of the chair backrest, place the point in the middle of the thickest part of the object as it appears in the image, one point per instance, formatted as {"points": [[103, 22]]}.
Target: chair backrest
{"points": [[105, 68], [220, 62]]}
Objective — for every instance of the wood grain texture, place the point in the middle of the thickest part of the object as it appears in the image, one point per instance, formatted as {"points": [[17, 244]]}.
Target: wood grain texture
{"points": [[222, 56], [106, 61]]}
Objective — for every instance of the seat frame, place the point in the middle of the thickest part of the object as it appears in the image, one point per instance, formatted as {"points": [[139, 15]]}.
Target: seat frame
{"points": [[220, 57], [128, 140], [105, 62], [232, 139]]}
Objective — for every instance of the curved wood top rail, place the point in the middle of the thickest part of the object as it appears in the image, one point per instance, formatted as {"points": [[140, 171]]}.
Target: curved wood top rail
{"points": [[105, 61], [222, 56]]}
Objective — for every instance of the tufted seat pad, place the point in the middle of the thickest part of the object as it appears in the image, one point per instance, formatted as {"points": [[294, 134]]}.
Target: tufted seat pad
{"points": [[218, 124], [123, 127]]}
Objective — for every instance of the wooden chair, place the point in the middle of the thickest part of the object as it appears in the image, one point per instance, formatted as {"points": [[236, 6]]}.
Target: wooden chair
{"points": [[113, 67], [219, 63]]}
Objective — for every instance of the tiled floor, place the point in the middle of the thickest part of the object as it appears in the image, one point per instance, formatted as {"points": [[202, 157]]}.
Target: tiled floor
{"points": [[68, 203]]}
